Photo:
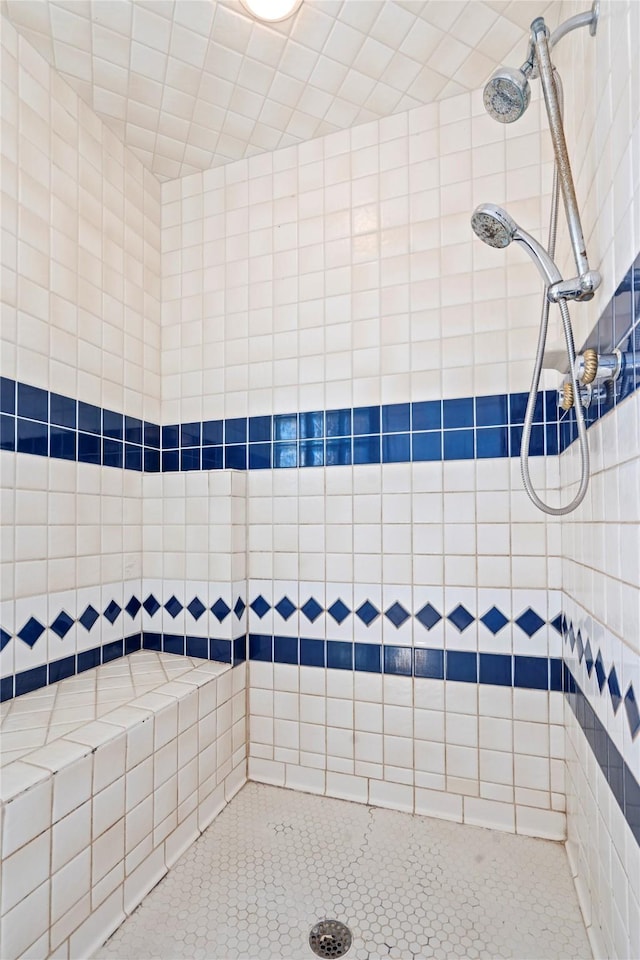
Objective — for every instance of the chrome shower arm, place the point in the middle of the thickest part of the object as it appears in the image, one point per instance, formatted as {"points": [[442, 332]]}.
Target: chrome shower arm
{"points": [[588, 280]]}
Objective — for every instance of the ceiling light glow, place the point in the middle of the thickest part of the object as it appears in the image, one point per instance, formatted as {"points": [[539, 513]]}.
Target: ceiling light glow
{"points": [[271, 11]]}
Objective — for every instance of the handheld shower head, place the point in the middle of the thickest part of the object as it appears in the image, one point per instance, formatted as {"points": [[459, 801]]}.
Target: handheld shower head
{"points": [[506, 95], [495, 227]]}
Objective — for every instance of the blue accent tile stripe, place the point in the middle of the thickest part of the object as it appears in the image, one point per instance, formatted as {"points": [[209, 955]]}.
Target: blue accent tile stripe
{"points": [[49, 424], [531, 673], [624, 786]]}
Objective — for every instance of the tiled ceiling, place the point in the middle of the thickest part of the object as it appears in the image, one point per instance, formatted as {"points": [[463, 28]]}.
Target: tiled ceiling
{"points": [[192, 84]]}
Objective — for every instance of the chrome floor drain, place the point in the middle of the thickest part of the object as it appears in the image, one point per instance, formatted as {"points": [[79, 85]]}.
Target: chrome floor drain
{"points": [[330, 938]]}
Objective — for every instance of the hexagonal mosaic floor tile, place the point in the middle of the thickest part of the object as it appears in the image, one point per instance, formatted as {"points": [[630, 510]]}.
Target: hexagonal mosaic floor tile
{"points": [[277, 861]]}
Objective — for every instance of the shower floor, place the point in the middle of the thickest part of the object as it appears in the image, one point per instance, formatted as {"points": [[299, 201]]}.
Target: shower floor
{"points": [[276, 861]]}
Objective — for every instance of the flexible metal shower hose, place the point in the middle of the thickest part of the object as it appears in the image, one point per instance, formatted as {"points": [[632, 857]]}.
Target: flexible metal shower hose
{"points": [[535, 382]]}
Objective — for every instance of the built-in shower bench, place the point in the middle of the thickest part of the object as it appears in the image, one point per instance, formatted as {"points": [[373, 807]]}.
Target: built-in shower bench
{"points": [[107, 778]]}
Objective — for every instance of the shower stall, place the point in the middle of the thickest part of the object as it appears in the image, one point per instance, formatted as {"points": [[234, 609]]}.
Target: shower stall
{"points": [[266, 551]]}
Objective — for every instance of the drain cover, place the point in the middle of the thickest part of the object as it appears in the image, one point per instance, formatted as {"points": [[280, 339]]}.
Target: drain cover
{"points": [[330, 938]]}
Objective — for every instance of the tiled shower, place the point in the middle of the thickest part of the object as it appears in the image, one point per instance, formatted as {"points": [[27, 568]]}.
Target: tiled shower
{"points": [[269, 414]]}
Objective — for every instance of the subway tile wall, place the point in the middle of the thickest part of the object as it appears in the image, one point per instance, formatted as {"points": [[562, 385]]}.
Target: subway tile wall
{"points": [[601, 541]]}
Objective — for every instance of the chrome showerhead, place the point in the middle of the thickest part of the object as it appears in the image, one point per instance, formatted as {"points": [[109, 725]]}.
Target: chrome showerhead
{"points": [[506, 95], [493, 225]]}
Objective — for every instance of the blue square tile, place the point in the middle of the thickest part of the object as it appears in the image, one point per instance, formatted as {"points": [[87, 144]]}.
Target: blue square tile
{"points": [[6, 689], [338, 423], [88, 659], [536, 445], [462, 666], [555, 673], [338, 452], [285, 650], [235, 457], [398, 660], [623, 312], [190, 435], [457, 413], [132, 457], [427, 415], [170, 461], [551, 408], [366, 420], [396, 418], [132, 643], [532, 673], [458, 445], [339, 655], [220, 650], [311, 425], [367, 657], [7, 432], [492, 411], [427, 446], [112, 453], [113, 425], [260, 647], [151, 641], [518, 407], [312, 653], [496, 668], [33, 402], [259, 456], [30, 680], [170, 436], [190, 458], [492, 442], [396, 448], [235, 430], [311, 453], [212, 458], [112, 651], [172, 643], [89, 418], [366, 449], [197, 647], [62, 443], [285, 454], [212, 433], [151, 432], [239, 650], [259, 429], [285, 426], [33, 437], [429, 663], [151, 460], [133, 430], [61, 669], [62, 411], [7, 395]]}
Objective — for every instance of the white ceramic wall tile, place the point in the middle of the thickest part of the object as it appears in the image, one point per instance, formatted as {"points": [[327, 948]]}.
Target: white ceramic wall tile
{"points": [[602, 599]]}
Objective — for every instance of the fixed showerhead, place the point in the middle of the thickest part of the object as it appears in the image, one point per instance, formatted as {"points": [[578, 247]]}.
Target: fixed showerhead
{"points": [[506, 95], [493, 225]]}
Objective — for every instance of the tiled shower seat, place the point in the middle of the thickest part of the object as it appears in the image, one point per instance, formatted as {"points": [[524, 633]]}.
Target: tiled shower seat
{"points": [[107, 778]]}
